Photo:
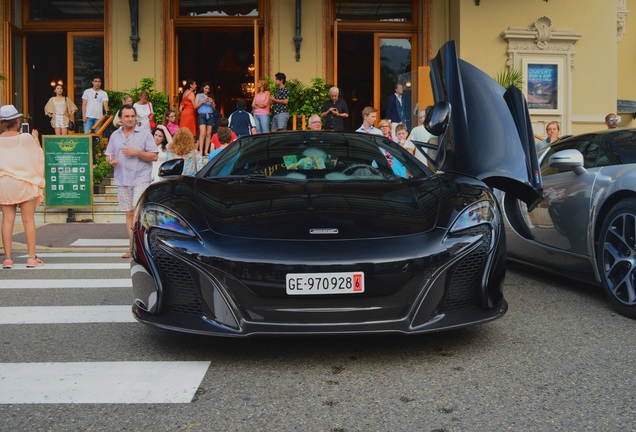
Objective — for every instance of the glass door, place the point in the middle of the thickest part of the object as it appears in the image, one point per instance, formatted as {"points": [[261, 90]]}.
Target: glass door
{"points": [[85, 61], [394, 65], [369, 80]]}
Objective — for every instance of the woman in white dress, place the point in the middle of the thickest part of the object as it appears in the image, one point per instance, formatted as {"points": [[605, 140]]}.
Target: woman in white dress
{"points": [[61, 109], [144, 110], [162, 139]]}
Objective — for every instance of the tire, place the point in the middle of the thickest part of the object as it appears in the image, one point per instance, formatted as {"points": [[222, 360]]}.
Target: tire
{"points": [[617, 257]]}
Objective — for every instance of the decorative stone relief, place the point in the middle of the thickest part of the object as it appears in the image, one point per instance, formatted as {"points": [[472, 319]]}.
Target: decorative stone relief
{"points": [[540, 38], [621, 19], [543, 44]]}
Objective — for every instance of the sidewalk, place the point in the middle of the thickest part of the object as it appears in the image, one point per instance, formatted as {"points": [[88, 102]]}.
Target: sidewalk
{"points": [[59, 237]]}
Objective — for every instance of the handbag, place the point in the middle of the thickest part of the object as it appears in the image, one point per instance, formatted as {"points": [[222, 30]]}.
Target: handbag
{"points": [[151, 122], [71, 123]]}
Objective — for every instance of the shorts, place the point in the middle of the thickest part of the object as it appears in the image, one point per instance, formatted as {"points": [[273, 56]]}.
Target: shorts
{"points": [[129, 195], [279, 122], [59, 121], [206, 119]]}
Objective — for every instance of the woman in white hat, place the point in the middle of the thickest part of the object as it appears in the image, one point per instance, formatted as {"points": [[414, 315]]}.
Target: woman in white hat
{"points": [[21, 182]]}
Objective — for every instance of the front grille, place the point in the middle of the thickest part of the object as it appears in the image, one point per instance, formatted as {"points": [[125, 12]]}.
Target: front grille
{"points": [[180, 292], [466, 280]]}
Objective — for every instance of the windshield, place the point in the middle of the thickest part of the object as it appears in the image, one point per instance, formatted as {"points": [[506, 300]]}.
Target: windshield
{"points": [[317, 156]]}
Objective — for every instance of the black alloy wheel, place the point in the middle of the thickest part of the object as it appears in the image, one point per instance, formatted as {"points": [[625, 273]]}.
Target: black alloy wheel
{"points": [[617, 257]]}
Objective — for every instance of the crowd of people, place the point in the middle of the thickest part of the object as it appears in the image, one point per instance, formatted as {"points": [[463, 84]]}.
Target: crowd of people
{"points": [[140, 144]]}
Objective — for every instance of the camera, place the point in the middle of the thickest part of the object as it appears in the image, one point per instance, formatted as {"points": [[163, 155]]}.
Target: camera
{"points": [[25, 128]]}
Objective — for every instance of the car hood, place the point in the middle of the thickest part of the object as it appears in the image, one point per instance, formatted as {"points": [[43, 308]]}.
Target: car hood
{"points": [[319, 211], [489, 134]]}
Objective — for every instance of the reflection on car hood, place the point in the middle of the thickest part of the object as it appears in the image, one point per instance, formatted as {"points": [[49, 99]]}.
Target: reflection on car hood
{"points": [[490, 134], [315, 210]]}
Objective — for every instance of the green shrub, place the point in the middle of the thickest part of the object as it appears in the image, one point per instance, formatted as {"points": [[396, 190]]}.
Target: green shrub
{"points": [[159, 100]]}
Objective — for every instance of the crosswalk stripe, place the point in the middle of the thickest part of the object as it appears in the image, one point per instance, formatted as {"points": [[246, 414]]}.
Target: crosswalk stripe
{"points": [[76, 255], [101, 382], [76, 266], [101, 242], [65, 314], [64, 283]]}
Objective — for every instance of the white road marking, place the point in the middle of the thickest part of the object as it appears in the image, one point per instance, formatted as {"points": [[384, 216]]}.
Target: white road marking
{"points": [[101, 242], [74, 266], [66, 314], [101, 382], [65, 283], [76, 255]]}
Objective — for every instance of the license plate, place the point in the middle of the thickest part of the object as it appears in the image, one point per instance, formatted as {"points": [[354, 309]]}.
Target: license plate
{"points": [[325, 283]]}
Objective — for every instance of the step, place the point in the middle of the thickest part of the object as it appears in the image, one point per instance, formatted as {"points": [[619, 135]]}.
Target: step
{"points": [[58, 215]]}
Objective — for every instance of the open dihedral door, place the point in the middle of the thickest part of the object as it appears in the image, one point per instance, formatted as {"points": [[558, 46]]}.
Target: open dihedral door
{"points": [[489, 135]]}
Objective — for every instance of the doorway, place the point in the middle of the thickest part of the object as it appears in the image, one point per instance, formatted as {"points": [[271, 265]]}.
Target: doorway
{"points": [[224, 59], [369, 67], [46, 60]]}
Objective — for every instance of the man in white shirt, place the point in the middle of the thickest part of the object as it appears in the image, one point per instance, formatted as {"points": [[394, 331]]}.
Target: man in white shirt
{"points": [[419, 133], [94, 104], [369, 116]]}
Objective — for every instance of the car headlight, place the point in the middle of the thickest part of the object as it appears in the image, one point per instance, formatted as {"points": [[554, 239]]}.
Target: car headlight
{"points": [[476, 214], [158, 216]]}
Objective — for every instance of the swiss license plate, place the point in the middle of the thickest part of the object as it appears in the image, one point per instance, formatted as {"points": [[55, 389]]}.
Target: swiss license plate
{"points": [[325, 283]]}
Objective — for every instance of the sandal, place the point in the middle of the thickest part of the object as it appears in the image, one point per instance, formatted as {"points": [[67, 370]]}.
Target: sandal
{"points": [[7, 263], [126, 255]]}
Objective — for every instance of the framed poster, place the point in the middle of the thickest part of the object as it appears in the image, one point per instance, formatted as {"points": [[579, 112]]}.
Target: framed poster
{"points": [[68, 170], [543, 85]]}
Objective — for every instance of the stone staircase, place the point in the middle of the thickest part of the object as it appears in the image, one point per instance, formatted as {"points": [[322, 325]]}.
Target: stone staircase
{"points": [[105, 206]]}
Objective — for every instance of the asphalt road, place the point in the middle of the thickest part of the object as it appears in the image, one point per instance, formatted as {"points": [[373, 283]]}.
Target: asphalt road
{"points": [[560, 360]]}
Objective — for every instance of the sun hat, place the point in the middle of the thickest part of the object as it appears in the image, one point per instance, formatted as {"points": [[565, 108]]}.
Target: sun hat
{"points": [[8, 112]]}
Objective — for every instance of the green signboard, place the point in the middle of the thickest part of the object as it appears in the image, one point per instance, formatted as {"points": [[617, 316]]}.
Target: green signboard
{"points": [[67, 170]]}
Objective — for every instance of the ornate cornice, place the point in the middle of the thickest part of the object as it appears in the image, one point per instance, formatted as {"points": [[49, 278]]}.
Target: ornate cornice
{"points": [[540, 38]]}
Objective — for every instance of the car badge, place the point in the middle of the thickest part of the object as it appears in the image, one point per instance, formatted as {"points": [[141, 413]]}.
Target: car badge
{"points": [[323, 231]]}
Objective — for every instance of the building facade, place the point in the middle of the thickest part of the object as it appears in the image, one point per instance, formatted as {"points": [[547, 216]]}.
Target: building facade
{"points": [[576, 56]]}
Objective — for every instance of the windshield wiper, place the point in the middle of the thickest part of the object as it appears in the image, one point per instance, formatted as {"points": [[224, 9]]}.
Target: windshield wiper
{"points": [[262, 178]]}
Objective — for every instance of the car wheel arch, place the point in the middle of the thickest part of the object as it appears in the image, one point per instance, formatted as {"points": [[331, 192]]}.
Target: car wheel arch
{"points": [[606, 207], [616, 282]]}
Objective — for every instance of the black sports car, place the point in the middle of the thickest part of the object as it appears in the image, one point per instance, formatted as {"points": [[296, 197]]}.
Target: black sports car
{"points": [[328, 232]]}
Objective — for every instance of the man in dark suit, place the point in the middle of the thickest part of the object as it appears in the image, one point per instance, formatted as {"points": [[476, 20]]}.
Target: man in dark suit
{"points": [[395, 108]]}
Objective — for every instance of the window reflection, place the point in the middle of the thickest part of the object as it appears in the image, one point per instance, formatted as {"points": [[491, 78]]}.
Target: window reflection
{"points": [[218, 8], [48, 10], [361, 10]]}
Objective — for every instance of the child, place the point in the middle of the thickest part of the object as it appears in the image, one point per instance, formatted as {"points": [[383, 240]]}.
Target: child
{"points": [[169, 121], [402, 134], [224, 136]]}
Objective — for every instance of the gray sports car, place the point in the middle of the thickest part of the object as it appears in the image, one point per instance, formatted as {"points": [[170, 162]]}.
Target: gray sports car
{"points": [[585, 227]]}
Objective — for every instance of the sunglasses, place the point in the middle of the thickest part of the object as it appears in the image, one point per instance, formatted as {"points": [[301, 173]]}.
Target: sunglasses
{"points": [[613, 119]]}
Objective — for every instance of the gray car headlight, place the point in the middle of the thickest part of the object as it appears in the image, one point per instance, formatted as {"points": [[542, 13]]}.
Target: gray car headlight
{"points": [[157, 216], [478, 213]]}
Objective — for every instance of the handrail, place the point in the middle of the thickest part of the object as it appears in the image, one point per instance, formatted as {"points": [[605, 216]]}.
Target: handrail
{"points": [[102, 124]]}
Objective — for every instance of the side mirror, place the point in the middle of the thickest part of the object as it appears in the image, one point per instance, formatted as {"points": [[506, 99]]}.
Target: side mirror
{"points": [[438, 118], [172, 167], [568, 160]]}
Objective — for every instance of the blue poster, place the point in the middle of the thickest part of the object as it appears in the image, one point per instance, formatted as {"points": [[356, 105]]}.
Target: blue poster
{"points": [[543, 86]]}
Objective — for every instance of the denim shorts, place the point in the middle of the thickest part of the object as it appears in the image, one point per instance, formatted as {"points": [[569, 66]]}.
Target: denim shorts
{"points": [[205, 119]]}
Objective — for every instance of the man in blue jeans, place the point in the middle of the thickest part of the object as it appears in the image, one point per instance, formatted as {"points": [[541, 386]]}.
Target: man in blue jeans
{"points": [[94, 104]]}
